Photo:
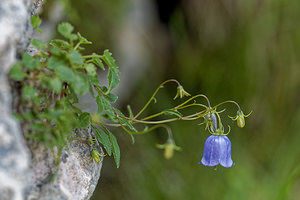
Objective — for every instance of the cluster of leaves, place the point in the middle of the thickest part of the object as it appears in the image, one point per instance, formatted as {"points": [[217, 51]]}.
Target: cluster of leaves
{"points": [[51, 81]]}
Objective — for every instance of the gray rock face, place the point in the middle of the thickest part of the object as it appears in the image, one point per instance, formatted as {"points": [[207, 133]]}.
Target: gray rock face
{"points": [[77, 176], [25, 173]]}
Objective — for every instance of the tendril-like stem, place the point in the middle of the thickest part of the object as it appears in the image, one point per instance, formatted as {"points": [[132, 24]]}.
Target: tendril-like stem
{"points": [[152, 97], [229, 101], [194, 97]]}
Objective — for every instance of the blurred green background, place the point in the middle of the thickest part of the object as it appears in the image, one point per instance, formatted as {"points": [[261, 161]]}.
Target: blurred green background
{"points": [[248, 51]]}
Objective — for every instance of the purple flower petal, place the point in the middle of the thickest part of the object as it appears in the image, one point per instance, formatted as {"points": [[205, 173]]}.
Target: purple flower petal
{"points": [[217, 150], [225, 152]]}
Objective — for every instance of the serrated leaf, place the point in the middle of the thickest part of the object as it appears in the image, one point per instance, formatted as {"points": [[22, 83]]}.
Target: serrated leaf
{"points": [[16, 72], [64, 73], [39, 44], [57, 61], [60, 43], [82, 39], [65, 29], [98, 62], [93, 80], [84, 120], [75, 57], [111, 97], [110, 61], [113, 80], [103, 138], [115, 147], [55, 84], [91, 69], [125, 121], [30, 62], [172, 112], [99, 104], [79, 84], [107, 107]]}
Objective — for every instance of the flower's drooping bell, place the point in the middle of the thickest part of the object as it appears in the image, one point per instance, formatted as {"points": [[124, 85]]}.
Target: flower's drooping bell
{"points": [[217, 150]]}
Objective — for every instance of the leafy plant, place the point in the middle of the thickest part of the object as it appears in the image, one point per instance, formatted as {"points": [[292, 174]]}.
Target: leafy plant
{"points": [[52, 80]]}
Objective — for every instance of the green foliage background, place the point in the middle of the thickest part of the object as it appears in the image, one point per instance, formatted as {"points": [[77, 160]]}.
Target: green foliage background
{"points": [[246, 51]]}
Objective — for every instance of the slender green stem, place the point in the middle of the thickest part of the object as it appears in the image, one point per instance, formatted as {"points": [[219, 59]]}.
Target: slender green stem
{"points": [[194, 97], [152, 97], [161, 113], [189, 117], [229, 101], [77, 45], [92, 56]]}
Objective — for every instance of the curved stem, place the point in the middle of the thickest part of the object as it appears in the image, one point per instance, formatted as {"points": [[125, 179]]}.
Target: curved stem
{"points": [[194, 97], [161, 113], [229, 101], [152, 97], [189, 117]]}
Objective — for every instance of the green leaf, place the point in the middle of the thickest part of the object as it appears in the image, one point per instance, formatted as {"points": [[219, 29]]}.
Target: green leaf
{"points": [[111, 97], [57, 61], [125, 121], [56, 85], [39, 44], [110, 61], [65, 29], [16, 72], [98, 62], [99, 104], [79, 83], [172, 112], [30, 62], [84, 120], [91, 88], [113, 80], [36, 22], [103, 139], [115, 147], [75, 57], [91, 69], [93, 80], [83, 40], [29, 92], [60, 43], [64, 73], [107, 107]]}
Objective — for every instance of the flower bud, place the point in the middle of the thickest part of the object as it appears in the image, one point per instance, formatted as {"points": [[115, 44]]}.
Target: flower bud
{"points": [[95, 155], [169, 150], [181, 92], [240, 121], [240, 118]]}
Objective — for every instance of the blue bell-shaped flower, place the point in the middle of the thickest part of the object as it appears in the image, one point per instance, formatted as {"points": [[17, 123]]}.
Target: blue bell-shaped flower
{"points": [[217, 150]]}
